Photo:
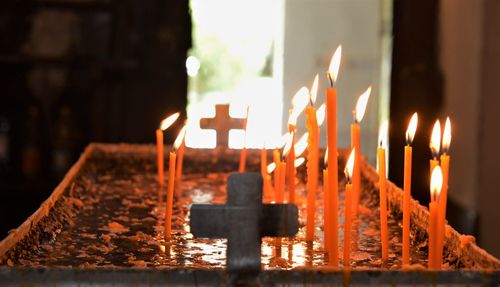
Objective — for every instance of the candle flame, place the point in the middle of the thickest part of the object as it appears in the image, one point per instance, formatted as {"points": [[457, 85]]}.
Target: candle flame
{"points": [[314, 90], [320, 114], [349, 166], [271, 167], [301, 145], [180, 138], [382, 134], [412, 128], [299, 103], [359, 112], [435, 139], [168, 121], [288, 144], [299, 161], [436, 182], [447, 135], [325, 159], [333, 70]]}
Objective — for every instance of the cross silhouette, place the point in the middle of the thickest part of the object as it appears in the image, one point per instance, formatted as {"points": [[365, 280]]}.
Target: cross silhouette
{"points": [[222, 123], [243, 220]]}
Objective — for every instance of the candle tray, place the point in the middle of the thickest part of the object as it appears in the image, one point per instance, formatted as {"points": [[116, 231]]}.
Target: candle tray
{"points": [[104, 223]]}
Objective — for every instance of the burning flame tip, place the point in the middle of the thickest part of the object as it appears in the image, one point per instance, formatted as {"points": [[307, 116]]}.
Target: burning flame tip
{"points": [[349, 166], [436, 182], [168, 121], [180, 138], [412, 128], [436, 139], [446, 135], [333, 69], [359, 112]]}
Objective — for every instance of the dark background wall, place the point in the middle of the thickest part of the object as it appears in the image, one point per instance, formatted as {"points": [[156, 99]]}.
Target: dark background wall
{"points": [[73, 72]]}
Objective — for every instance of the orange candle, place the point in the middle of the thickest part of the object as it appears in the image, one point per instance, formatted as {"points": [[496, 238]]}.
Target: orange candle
{"points": [[160, 156], [383, 191], [347, 209], [282, 173], [332, 171], [263, 161], [165, 124], [170, 196], [312, 171], [180, 145], [290, 166], [277, 159], [410, 133], [243, 153], [359, 112], [312, 160], [443, 197], [326, 211], [435, 186]]}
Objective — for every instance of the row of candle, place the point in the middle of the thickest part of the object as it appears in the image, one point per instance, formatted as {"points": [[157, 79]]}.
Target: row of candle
{"points": [[284, 171]]}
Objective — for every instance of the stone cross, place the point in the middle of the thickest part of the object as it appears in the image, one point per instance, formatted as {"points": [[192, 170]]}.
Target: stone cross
{"points": [[222, 123], [243, 220]]}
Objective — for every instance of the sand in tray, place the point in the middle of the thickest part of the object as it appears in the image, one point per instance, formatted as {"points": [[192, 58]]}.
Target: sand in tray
{"points": [[120, 214]]}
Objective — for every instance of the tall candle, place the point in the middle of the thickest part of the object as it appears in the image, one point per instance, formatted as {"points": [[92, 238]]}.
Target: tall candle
{"points": [[263, 161], [160, 155], [180, 145], [435, 187], [312, 171], [290, 166], [243, 152], [410, 133], [443, 197], [276, 159], [326, 215], [359, 112], [170, 196], [282, 173], [332, 170], [347, 209], [383, 191]]}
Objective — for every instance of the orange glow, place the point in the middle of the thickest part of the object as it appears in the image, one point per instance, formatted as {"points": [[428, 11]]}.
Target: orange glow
{"points": [[436, 139], [325, 160], [314, 90], [320, 114], [447, 135], [180, 137], [436, 182], [382, 134], [299, 161], [301, 145], [288, 144], [412, 128], [333, 70], [299, 103], [349, 166], [359, 112], [271, 167], [168, 121]]}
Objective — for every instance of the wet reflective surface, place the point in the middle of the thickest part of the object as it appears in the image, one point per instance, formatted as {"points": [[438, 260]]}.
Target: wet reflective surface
{"points": [[120, 222]]}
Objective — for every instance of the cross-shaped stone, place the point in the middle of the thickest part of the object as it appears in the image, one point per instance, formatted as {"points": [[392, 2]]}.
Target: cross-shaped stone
{"points": [[222, 123], [243, 220]]}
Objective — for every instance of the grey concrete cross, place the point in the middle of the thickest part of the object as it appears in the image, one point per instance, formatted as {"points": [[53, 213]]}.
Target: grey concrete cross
{"points": [[244, 220], [222, 123]]}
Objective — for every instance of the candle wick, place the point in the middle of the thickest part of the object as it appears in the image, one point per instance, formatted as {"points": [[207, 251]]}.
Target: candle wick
{"points": [[330, 79]]}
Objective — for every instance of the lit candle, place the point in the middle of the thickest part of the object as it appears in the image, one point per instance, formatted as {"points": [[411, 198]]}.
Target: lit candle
{"points": [[383, 190], [358, 113], [332, 171], [277, 160], [263, 161], [312, 161], [435, 145], [167, 122], [443, 197], [436, 184], [410, 133], [299, 102], [180, 152], [326, 208], [347, 208], [268, 188], [243, 152]]}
